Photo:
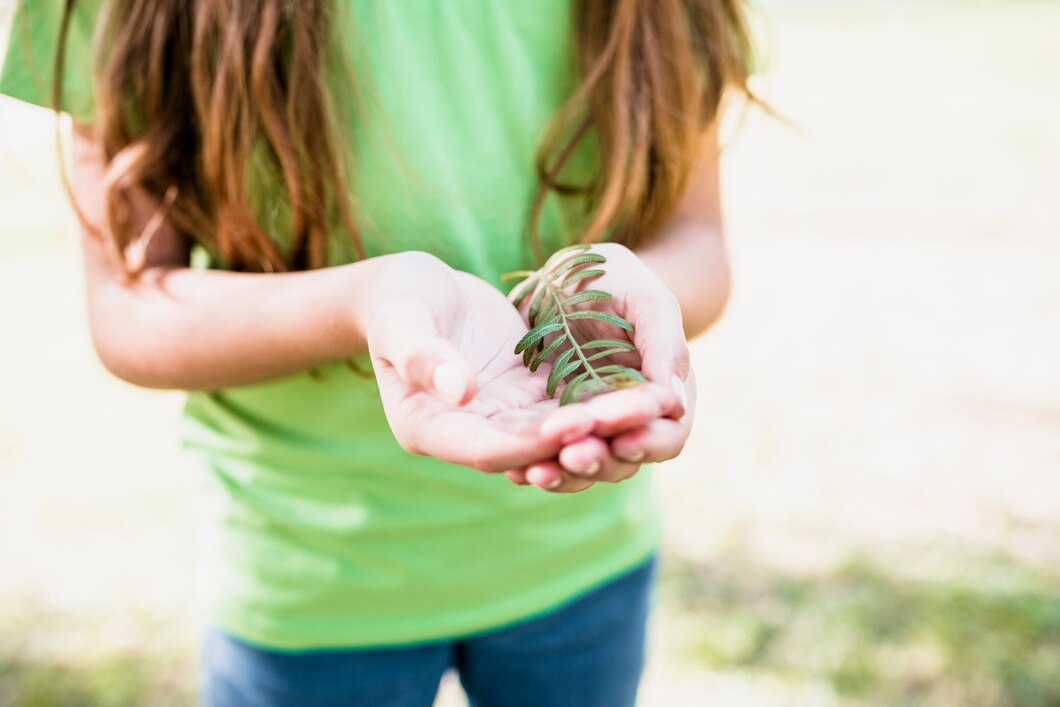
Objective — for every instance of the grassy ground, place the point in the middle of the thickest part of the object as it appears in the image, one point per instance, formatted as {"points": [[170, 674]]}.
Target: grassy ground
{"points": [[868, 512]]}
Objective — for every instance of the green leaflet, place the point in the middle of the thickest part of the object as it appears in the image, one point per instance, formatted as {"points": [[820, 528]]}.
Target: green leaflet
{"points": [[574, 388], [535, 302], [581, 385], [577, 260], [535, 335], [581, 275], [605, 353], [613, 368], [562, 359], [543, 355], [608, 343], [551, 310], [520, 292], [558, 373], [550, 296], [601, 316], [586, 296]]}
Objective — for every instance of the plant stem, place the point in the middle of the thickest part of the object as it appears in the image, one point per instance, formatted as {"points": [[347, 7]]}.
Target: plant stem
{"points": [[554, 293]]}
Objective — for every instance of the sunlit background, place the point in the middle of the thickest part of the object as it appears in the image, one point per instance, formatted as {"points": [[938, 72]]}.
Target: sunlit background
{"points": [[868, 512]]}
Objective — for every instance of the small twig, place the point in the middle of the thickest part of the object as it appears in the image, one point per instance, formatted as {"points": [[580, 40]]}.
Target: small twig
{"points": [[550, 313]]}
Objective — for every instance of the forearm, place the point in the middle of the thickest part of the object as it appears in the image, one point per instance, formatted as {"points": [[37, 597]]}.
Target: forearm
{"points": [[175, 327], [690, 258], [689, 253]]}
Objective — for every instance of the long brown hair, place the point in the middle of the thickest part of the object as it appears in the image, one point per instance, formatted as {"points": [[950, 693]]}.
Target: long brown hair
{"points": [[191, 93]]}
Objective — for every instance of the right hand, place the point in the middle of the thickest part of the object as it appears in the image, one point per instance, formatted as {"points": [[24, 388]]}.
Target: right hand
{"points": [[442, 344]]}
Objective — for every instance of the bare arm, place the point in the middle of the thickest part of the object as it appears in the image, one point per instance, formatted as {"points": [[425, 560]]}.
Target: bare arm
{"points": [[175, 327], [689, 255]]}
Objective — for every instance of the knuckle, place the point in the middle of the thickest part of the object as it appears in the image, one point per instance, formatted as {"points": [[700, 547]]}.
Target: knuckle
{"points": [[422, 259]]}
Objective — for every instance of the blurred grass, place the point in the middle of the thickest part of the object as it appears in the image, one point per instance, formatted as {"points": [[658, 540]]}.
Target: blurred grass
{"points": [[866, 513], [988, 635], [113, 680], [51, 657]]}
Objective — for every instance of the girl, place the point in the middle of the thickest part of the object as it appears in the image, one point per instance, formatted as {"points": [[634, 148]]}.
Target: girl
{"points": [[273, 193]]}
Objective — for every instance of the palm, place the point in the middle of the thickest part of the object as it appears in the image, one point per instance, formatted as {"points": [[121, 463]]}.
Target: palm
{"points": [[510, 403], [622, 304]]}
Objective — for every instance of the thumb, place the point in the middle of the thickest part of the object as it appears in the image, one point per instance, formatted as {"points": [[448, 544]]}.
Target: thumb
{"points": [[425, 360], [660, 339], [433, 365]]}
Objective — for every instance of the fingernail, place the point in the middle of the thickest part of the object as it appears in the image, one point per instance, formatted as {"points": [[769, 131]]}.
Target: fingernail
{"points": [[593, 468], [633, 457], [535, 476], [679, 390], [554, 483], [449, 382]]}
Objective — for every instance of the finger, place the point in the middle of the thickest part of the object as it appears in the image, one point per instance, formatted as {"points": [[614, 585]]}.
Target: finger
{"points": [[585, 457], [517, 477], [627, 408], [657, 441], [546, 475], [471, 440], [592, 459], [425, 360], [550, 476], [567, 424], [570, 483], [660, 339], [433, 365]]}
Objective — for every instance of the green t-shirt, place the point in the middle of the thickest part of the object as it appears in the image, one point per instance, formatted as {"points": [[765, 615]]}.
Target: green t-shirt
{"points": [[327, 532]]}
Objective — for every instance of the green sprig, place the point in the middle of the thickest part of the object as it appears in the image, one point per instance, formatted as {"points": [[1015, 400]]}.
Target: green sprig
{"points": [[550, 313]]}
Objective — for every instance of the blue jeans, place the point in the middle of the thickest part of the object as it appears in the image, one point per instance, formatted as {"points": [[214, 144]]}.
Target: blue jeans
{"points": [[587, 653]]}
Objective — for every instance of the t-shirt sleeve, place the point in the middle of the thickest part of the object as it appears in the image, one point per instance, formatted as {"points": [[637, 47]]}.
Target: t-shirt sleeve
{"points": [[31, 39]]}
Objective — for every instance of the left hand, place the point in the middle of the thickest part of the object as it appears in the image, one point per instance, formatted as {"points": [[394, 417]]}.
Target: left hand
{"points": [[613, 455]]}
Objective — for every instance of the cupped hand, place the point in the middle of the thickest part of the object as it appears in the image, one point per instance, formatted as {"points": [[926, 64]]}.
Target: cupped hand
{"points": [[594, 458], [442, 343], [661, 355]]}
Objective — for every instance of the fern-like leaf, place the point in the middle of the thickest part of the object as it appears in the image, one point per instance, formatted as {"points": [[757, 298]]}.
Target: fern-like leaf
{"points": [[550, 302]]}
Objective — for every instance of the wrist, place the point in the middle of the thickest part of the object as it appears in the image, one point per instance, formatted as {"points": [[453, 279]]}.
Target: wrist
{"points": [[380, 288], [353, 304]]}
